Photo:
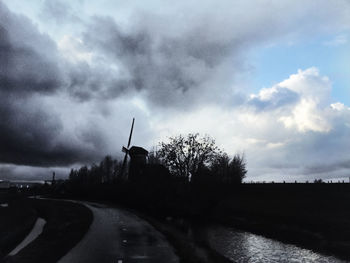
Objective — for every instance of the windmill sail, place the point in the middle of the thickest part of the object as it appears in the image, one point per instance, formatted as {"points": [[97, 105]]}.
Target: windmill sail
{"points": [[132, 128], [126, 149]]}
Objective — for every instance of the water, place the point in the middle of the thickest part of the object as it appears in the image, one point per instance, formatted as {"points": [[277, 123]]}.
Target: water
{"points": [[250, 248]]}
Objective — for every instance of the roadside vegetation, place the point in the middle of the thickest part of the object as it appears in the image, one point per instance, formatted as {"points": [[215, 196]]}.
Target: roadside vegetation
{"points": [[190, 158], [185, 177]]}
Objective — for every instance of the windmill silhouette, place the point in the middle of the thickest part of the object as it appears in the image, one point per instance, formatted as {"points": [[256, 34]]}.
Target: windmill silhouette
{"points": [[126, 150], [138, 159]]}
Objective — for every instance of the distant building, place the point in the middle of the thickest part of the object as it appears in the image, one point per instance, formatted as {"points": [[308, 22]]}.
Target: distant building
{"points": [[4, 184], [138, 161], [22, 185]]}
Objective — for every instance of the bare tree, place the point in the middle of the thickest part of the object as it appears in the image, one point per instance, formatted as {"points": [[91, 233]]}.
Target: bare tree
{"points": [[237, 169], [184, 156]]}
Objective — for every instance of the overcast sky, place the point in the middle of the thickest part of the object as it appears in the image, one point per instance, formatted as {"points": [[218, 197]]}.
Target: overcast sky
{"points": [[267, 78]]}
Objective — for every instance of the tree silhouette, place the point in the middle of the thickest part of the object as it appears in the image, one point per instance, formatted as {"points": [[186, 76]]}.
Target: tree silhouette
{"points": [[107, 168], [237, 169], [318, 181], [184, 156], [220, 166], [229, 171]]}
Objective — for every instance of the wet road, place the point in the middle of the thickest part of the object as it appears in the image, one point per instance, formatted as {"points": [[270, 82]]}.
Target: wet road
{"points": [[118, 236]]}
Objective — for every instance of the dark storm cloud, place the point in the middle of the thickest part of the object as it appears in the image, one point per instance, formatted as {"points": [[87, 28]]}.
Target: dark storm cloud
{"points": [[328, 168], [31, 133], [171, 69], [23, 68], [88, 82], [32, 136], [187, 58]]}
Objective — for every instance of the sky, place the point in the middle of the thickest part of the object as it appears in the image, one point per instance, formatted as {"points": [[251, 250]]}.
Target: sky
{"points": [[266, 78]]}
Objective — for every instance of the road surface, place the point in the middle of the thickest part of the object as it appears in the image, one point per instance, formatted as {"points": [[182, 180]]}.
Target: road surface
{"points": [[117, 236]]}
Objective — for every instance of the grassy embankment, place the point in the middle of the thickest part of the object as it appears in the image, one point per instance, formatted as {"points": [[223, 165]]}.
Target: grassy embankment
{"points": [[66, 225]]}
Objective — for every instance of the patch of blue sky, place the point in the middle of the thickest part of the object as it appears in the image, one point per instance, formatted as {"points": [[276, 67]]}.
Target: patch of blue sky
{"points": [[331, 55]]}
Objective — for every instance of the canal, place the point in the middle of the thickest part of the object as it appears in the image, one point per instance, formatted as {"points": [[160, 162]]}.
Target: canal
{"points": [[246, 247]]}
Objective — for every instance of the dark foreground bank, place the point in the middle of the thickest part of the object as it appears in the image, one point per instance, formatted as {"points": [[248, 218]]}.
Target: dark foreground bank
{"points": [[66, 224], [16, 221], [314, 216]]}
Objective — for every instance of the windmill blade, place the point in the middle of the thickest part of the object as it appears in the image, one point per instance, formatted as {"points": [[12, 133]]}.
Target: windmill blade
{"points": [[126, 150], [132, 128]]}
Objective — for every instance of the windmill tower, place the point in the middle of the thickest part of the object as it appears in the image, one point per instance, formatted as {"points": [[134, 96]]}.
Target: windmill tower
{"points": [[138, 157]]}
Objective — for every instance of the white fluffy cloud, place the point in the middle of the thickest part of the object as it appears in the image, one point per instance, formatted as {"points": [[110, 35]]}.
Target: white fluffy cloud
{"points": [[290, 131], [298, 102], [313, 136]]}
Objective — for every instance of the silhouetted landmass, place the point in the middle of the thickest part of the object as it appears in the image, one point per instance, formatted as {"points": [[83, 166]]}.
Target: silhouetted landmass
{"points": [[16, 221], [190, 184], [312, 215], [183, 192], [169, 183], [66, 223]]}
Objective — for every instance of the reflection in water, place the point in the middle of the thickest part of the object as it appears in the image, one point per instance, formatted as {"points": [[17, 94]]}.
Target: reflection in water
{"points": [[249, 248]]}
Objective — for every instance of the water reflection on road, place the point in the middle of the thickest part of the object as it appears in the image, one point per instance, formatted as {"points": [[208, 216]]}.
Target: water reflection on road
{"points": [[116, 235], [249, 248]]}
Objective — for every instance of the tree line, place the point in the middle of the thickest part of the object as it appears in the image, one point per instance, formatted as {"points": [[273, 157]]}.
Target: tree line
{"points": [[191, 158]]}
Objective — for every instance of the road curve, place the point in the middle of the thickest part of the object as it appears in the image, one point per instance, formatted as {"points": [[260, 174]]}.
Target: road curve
{"points": [[118, 236]]}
